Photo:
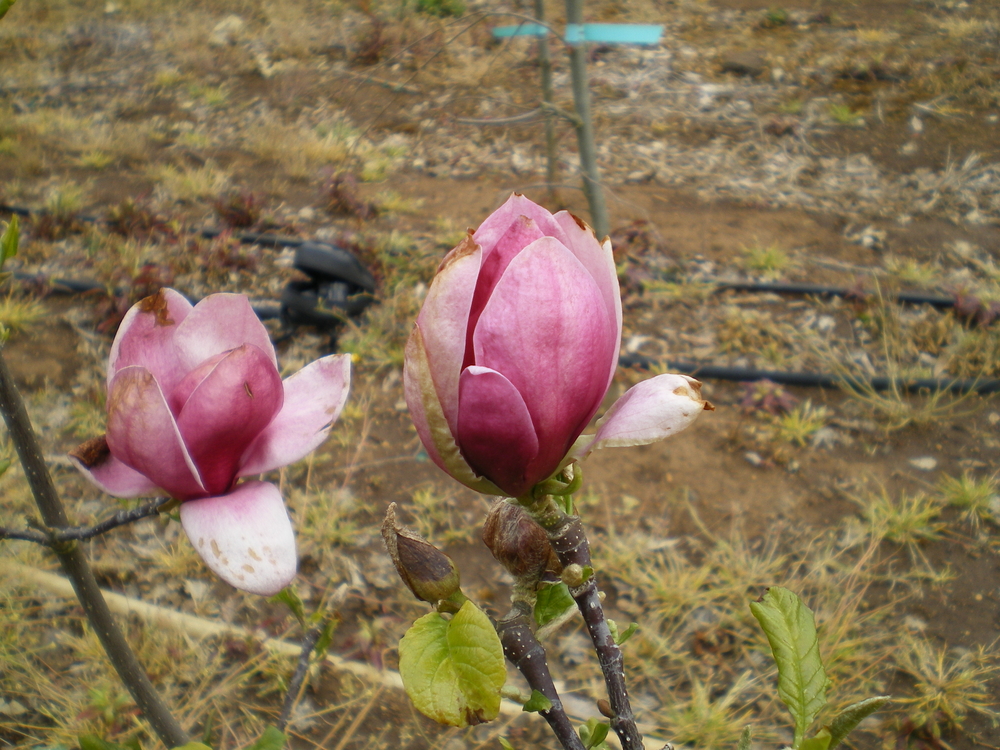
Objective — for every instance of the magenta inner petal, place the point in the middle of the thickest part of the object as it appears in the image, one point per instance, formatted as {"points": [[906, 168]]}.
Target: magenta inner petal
{"points": [[547, 330], [217, 324], [146, 338], [521, 233], [495, 432], [497, 223], [143, 435], [227, 411]]}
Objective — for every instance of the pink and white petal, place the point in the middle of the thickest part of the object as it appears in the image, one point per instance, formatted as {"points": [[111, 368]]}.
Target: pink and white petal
{"points": [[428, 417], [650, 411], [497, 223], [495, 430], [245, 537], [443, 320], [314, 398], [146, 338], [521, 233], [226, 413], [547, 331], [599, 260], [218, 323], [95, 461], [143, 434]]}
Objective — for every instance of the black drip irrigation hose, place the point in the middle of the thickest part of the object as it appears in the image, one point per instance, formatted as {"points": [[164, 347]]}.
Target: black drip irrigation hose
{"points": [[319, 263], [816, 379]]}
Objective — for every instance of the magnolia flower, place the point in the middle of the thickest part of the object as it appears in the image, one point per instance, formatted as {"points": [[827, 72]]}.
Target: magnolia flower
{"points": [[195, 402], [514, 350]]}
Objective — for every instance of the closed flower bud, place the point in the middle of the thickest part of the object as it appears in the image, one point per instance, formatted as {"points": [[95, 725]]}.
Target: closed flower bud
{"points": [[517, 542], [427, 571]]}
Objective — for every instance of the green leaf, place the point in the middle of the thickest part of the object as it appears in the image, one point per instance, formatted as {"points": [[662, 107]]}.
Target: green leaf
{"points": [[820, 742], [453, 669], [631, 630], [193, 746], [5, 5], [272, 739], [745, 739], [593, 733], [4, 465], [853, 715], [504, 744], [537, 702], [326, 637], [289, 598], [791, 631], [93, 742], [12, 235], [552, 603]]}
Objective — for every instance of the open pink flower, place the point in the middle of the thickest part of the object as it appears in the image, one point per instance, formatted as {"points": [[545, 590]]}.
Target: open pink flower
{"points": [[514, 350], [195, 402]]}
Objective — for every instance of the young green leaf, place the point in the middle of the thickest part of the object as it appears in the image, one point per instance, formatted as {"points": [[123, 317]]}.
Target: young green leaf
{"points": [[504, 744], [552, 603], [326, 637], [192, 746], [853, 715], [453, 669], [746, 737], [593, 733], [290, 599], [537, 702], [791, 632], [12, 234], [5, 5], [272, 739], [93, 742], [631, 630], [821, 741]]}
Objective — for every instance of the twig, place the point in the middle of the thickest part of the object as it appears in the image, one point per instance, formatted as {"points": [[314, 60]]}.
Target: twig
{"points": [[74, 562], [25, 535], [545, 68], [524, 651], [301, 670], [512, 120], [79, 533], [569, 540]]}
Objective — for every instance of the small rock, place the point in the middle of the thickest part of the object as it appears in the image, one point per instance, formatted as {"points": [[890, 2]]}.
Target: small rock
{"points": [[909, 148], [308, 213], [916, 124], [777, 75], [924, 463], [227, 32], [746, 63], [914, 623], [753, 458]]}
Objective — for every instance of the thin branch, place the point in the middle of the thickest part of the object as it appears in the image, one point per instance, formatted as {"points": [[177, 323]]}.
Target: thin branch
{"points": [[120, 518], [301, 670], [524, 651], [74, 562], [569, 540], [25, 535]]}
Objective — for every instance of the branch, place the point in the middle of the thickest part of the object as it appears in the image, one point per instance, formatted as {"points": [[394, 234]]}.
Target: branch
{"points": [[569, 540], [301, 670], [25, 535], [74, 562], [524, 651], [56, 537]]}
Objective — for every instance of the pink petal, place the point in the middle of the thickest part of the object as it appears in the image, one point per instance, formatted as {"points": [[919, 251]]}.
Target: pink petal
{"points": [[496, 224], [599, 260], [314, 397], [245, 537], [650, 411], [218, 323], [145, 338], [428, 417], [521, 233], [547, 330], [143, 435], [443, 320], [227, 411], [495, 430], [94, 459]]}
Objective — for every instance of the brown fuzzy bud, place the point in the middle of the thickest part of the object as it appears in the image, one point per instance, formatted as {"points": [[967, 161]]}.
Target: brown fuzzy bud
{"points": [[517, 542], [427, 571]]}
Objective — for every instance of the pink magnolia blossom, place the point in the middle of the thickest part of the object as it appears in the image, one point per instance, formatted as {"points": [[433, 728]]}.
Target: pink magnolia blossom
{"points": [[195, 402], [514, 350]]}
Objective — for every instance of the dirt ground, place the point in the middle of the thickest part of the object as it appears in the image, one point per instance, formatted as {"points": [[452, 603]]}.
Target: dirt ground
{"points": [[833, 142]]}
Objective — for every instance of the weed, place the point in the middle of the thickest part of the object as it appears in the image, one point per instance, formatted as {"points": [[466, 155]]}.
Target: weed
{"points": [[339, 197], [751, 331], [132, 218], [60, 217], [801, 423], [842, 114], [441, 8], [709, 717], [238, 209], [189, 184], [947, 685], [768, 397], [770, 262], [212, 96], [910, 520], [438, 518], [18, 314], [978, 499], [912, 271], [95, 159], [9, 146], [791, 107]]}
